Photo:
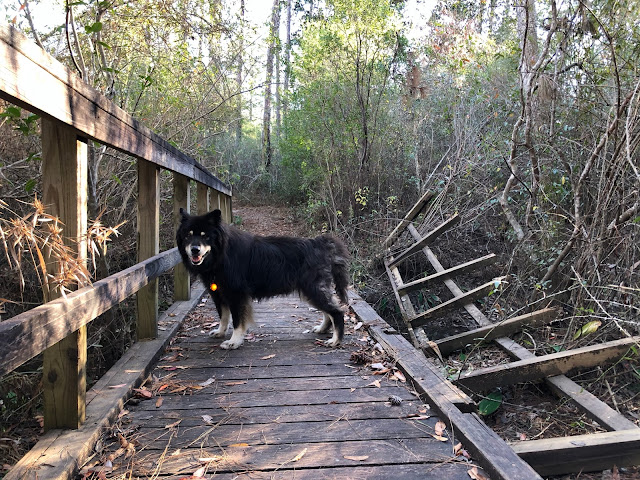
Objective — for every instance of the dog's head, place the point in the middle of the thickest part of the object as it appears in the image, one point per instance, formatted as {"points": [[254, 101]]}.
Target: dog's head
{"points": [[200, 238]]}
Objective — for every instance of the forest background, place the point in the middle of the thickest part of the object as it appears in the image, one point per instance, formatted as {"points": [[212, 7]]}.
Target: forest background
{"points": [[523, 116]]}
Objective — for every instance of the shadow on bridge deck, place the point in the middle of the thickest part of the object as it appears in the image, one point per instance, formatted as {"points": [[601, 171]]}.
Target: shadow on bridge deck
{"points": [[281, 406]]}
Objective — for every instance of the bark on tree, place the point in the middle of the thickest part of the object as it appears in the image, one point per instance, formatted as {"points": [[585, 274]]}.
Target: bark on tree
{"points": [[266, 119], [239, 78], [287, 60]]}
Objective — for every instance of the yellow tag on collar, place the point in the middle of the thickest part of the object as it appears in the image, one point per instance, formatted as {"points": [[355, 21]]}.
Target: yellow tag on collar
{"points": [[213, 287]]}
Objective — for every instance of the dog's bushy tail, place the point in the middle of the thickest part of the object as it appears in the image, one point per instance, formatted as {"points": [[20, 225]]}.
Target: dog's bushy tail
{"points": [[340, 268]]}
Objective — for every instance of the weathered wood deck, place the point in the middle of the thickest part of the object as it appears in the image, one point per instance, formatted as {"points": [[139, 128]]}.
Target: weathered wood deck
{"points": [[281, 406]]}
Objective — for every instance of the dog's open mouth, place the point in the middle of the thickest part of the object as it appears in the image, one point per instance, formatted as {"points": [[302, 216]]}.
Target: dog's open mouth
{"points": [[197, 259]]}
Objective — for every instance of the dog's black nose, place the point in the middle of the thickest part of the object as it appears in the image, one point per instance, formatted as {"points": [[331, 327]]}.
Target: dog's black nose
{"points": [[195, 251]]}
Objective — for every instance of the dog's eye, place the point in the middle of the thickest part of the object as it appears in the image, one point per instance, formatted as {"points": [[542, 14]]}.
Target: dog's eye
{"points": [[202, 234], [190, 232]]}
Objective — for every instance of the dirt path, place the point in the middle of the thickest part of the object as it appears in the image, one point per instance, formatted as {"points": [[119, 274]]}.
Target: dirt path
{"points": [[268, 220]]}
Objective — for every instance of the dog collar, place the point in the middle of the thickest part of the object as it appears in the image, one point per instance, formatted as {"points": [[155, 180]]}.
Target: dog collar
{"points": [[213, 287]]}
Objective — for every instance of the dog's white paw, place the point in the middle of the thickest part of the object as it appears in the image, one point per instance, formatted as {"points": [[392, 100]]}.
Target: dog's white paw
{"points": [[217, 333], [231, 344], [332, 342], [320, 329]]}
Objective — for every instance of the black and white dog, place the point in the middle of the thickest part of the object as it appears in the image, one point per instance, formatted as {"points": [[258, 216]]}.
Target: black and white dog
{"points": [[239, 266]]}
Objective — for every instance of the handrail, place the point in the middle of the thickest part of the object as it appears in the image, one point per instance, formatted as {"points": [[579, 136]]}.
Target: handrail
{"points": [[72, 113], [30, 333], [33, 79]]}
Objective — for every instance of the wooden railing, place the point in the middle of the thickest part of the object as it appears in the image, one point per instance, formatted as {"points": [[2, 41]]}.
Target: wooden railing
{"points": [[73, 113]]}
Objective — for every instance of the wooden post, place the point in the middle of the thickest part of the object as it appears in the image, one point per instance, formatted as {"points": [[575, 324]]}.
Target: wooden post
{"points": [[64, 186], [203, 199], [148, 244], [181, 199], [227, 208], [215, 200]]}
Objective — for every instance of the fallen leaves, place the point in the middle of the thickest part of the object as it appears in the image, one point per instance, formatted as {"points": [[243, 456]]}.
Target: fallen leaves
{"points": [[208, 382], [475, 474], [356, 458], [439, 430], [267, 357], [231, 384], [173, 425], [142, 393], [299, 456]]}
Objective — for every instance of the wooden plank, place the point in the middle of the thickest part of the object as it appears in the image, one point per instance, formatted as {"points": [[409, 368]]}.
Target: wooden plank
{"points": [[286, 433], [457, 302], [412, 361], [323, 386], [496, 330], [64, 190], [444, 471], [282, 398], [266, 371], [31, 78], [426, 375], [59, 452], [202, 199], [181, 199], [272, 413], [486, 447], [30, 333], [148, 228], [408, 218], [272, 458], [536, 368], [588, 403], [418, 337], [427, 239], [582, 453], [449, 273]]}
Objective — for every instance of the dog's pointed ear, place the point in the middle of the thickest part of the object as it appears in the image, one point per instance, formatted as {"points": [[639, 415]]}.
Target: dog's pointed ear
{"points": [[184, 216], [215, 217]]}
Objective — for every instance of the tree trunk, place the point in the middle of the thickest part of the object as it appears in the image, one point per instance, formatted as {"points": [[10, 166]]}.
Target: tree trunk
{"points": [[239, 79], [266, 119], [287, 60]]}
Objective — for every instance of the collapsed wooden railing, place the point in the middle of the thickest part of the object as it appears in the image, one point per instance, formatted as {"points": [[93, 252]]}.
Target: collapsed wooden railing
{"points": [[72, 114], [619, 446]]}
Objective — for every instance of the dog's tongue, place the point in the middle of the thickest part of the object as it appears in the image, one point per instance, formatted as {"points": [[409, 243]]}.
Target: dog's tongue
{"points": [[196, 259]]}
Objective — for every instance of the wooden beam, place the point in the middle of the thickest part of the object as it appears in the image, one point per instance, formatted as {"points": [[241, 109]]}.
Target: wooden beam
{"points": [[202, 200], [459, 301], [30, 333], [449, 273], [408, 218], [148, 245], [64, 187], [181, 199], [588, 403], [407, 311], [228, 209], [486, 447], [593, 452], [427, 239], [31, 78], [548, 365], [496, 330]]}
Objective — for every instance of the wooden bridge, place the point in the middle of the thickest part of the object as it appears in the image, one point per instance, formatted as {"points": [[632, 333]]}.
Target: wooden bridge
{"points": [[176, 405]]}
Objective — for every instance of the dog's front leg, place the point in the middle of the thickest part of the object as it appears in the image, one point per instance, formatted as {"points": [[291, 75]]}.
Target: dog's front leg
{"points": [[325, 325], [242, 318], [225, 314]]}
